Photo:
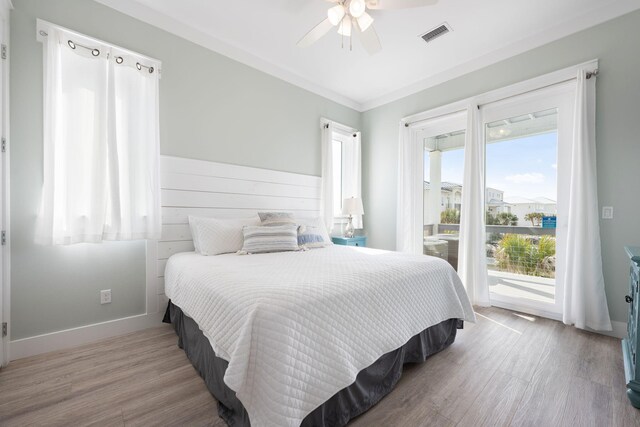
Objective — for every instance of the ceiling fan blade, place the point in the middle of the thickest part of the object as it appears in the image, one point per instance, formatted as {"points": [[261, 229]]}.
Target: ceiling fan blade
{"points": [[370, 40], [398, 4], [316, 33]]}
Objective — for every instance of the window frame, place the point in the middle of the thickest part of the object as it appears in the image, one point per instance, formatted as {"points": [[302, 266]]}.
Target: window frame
{"points": [[343, 138]]}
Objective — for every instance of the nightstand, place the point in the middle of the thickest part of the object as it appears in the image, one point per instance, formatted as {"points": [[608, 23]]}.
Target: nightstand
{"points": [[350, 241]]}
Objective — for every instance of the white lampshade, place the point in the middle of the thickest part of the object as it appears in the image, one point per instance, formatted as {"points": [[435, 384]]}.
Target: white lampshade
{"points": [[352, 206], [335, 14], [357, 8], [365, 21], [345, 27]]}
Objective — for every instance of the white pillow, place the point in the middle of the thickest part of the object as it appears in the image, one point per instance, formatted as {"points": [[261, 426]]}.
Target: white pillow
{"points": [[215, 236], [313, 233]]}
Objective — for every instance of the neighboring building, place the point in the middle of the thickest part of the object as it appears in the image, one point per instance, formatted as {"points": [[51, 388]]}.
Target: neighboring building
{"points": [[451, 198], [521, 206], [494, 200]]}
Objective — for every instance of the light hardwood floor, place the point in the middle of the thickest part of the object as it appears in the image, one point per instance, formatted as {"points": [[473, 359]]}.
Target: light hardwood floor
{"points": [[507, 369]]}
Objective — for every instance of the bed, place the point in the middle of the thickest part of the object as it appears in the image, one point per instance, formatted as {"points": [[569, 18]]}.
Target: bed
{"points": [[309, 338]]}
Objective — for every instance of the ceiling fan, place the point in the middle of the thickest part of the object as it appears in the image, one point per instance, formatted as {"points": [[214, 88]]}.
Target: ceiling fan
{"points": [[350, 16]]}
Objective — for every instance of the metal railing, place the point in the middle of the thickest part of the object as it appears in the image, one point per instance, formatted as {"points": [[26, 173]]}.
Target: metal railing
{"points": [[515, 249], [529, 231]]}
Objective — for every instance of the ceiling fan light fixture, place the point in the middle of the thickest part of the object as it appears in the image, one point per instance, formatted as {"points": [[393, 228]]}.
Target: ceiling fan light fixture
{"points": [[357, 8], [335, 14], [345, 27], [365, 21]]}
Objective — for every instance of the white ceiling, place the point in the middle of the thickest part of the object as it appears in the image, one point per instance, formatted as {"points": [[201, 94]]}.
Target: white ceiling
{"points": [[263, 34]]}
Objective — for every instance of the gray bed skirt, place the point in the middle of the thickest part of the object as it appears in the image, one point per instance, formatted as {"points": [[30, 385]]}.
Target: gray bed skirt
{"points": [[371, 384]]}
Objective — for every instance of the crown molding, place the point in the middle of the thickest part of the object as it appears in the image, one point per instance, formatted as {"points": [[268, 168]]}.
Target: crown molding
{"points": [[580, 23], [592, 18], [173, 26]]}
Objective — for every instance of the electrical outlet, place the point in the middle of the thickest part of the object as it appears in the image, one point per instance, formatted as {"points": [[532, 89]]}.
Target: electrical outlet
{"points": [[607, 212], [105, 296]]}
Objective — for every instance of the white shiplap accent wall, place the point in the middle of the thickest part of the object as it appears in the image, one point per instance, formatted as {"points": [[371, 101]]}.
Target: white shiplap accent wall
{"points": [[202, 188]]}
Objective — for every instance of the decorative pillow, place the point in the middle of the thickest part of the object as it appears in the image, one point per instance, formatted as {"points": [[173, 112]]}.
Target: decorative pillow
{"points": [[271, 219], [313, 233], [262, 239], [215, 236]]}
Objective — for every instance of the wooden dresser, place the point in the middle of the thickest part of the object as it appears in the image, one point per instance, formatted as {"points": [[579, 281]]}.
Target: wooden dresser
{"points": [[630, 343]]}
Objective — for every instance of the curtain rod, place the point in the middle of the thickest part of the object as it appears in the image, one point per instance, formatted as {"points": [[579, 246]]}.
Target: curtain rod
{"points": [[43, 27], [594, 73], [326, 126], [338, 126], [407, 124], [96, 52], [590, 74]]}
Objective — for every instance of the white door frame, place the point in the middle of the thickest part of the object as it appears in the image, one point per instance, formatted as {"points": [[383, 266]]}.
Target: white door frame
{"points": [[561, 97], [498, 96], [5, 261]]}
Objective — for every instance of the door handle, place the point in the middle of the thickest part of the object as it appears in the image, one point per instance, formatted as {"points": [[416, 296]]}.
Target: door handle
{"points": [[628, 299]]}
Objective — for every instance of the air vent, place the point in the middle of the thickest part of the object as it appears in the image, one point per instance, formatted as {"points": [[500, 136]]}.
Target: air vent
{"points": [[436, 32]]}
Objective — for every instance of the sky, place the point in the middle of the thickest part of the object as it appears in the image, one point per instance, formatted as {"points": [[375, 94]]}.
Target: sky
{"points": [[523, 167]]}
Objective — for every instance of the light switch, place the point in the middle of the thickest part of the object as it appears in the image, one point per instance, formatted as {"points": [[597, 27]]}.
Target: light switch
{"points": [[607, 212]]}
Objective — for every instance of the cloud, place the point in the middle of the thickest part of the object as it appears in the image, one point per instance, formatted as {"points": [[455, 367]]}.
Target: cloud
{"points": [[555, 166], [526, 178]]}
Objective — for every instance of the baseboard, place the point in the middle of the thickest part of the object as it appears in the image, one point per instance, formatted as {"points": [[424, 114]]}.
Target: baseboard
{"points": [[86, 334], [82, 335], [619, 330]]}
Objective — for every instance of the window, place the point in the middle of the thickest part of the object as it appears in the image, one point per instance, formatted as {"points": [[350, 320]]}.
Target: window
{"points": [[341, 166], [343, 187], [523, 138], [442, 164], [101, 141], [337, 177]]}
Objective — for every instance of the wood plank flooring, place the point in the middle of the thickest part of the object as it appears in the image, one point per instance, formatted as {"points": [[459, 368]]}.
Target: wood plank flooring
{"points": [[506, 370]]}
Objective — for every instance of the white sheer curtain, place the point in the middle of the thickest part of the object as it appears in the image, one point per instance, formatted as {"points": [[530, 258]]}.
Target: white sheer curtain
{"points": [[409, 232], [352, 179], [326, 198], [585, 302], [472, 256], [101, 144], [134, 147]]}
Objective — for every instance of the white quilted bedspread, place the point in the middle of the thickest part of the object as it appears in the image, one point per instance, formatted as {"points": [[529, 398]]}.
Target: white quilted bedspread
{"points": [[297, 327]]}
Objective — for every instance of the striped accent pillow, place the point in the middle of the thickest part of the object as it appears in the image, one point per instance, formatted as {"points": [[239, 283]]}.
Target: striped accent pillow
{"points": [[278, 238], [271, 219], [313, 233]]}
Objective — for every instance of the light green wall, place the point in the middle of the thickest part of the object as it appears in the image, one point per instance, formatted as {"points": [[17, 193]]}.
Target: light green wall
{"points": [[214, 108], [616, 44], [211, 108]]}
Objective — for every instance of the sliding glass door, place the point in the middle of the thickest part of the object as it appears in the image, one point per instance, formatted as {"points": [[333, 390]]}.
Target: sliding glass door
{"points": [[524, 137], [443, 143]]}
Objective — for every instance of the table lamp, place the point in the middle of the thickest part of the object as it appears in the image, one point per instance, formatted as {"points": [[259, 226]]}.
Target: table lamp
{"points": [[351, 206]]}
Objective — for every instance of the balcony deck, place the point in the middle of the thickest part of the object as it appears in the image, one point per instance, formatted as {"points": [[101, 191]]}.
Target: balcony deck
{"points": [[541, 289], [512, 285]]}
